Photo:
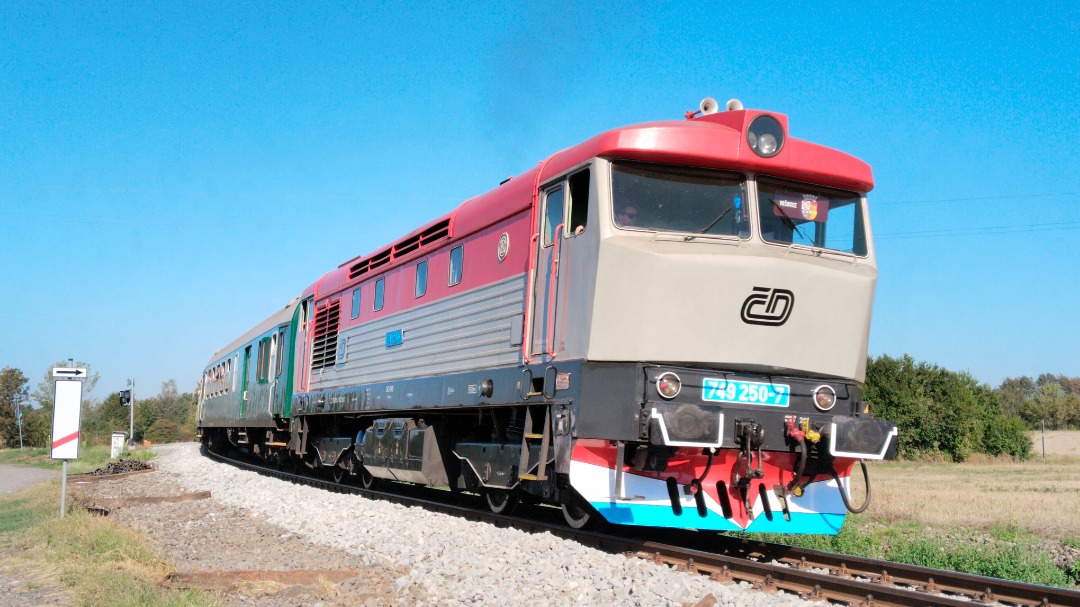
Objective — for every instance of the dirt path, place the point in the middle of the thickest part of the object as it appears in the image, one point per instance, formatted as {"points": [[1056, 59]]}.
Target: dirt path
{"points": [[16, 478], [245, 561]]}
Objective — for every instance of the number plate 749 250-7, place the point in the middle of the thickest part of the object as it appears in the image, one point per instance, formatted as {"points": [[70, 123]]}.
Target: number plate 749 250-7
{"points": [[745, 392]]}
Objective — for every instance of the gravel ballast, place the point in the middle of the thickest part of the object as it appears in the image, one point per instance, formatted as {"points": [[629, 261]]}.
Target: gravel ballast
{"points": [[438, 559]]}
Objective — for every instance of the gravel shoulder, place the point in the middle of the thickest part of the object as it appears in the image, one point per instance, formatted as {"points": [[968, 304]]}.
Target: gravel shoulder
{"points": [[386, 554], [203, 536]]}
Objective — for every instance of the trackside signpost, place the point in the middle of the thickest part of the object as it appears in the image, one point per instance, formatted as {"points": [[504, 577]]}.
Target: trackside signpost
{"points": [[67, 411]]}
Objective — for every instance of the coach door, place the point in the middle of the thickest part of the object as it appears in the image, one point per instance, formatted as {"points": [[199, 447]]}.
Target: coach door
{"points": [[564, 210], [300, 346], [244, 382]]}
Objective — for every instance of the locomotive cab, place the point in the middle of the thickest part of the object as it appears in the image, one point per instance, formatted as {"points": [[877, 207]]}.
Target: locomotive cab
{"points": [[746, 282]]}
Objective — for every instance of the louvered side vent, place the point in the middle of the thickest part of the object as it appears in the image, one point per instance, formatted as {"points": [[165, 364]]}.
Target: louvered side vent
{"points": [[379, 260], [435, 232], [358, 268], [406, 246], [324, 350]]}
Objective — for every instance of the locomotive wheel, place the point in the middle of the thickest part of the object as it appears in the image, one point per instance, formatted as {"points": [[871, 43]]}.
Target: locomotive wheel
{"points": [[577, 514], [366, 480], [500, 501], [340, 475]]}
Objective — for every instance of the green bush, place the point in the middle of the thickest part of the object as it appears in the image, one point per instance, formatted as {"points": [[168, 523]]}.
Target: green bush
{"points": [[164, 431], [941, 411], [1007, 436]]}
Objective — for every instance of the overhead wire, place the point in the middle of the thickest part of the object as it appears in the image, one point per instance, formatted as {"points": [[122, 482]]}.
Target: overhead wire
{"points": [[972, 199], [978, 230], [983, 230]]}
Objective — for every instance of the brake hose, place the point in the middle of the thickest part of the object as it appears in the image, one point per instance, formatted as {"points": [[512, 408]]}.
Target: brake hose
{"points": [[843, 495], [708, 465], [800, 466]]}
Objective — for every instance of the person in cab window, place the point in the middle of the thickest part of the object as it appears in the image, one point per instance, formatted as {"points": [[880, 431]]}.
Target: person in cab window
{"points": [[626, 216]]}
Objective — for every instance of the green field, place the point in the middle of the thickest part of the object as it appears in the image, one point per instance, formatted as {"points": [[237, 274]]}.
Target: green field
{"points": [[996, 517]]}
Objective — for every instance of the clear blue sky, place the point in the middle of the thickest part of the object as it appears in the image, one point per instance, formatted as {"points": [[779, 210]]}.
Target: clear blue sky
{"points": [[172, 173]]}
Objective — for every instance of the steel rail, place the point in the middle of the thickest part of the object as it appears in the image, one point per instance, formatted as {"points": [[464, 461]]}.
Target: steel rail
{"points": [[851, 580]]}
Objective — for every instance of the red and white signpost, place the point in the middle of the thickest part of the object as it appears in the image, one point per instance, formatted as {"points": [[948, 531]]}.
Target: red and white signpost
{"points": [[67, 413]]}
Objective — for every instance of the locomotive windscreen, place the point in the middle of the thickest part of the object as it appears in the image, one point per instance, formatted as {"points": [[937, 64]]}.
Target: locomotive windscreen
{"points": [[797, 213], [679, 199]]}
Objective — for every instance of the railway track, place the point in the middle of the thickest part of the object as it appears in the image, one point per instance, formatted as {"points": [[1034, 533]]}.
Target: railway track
{"points": [[812, 574]]}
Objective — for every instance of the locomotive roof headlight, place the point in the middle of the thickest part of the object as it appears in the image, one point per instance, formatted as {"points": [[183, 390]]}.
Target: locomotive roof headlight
{"points": [[824, 397], [765, 136], [668, 385]]}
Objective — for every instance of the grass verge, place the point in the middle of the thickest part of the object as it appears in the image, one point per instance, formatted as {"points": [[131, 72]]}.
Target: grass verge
{"points": [[99, 562], [1005, 552], [91, 457]]}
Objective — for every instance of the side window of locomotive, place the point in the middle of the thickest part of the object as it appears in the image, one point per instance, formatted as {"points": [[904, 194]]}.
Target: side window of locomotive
{"points": [[579, 201], [812, 216], [679, 199], [356, 302], [457, 255], [553, 214], [421, 279], [380, 287]]}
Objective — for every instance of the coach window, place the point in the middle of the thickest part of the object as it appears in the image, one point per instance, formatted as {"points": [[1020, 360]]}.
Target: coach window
{"points": [[281, 354], [421, 279], [273, 354], [263, 370], [553, 214], [456, 258], [356, 302], [380, 286], [579, 201]]}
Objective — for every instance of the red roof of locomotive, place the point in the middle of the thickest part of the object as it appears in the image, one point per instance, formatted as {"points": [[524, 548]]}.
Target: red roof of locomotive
{"points": [[714, 140]]}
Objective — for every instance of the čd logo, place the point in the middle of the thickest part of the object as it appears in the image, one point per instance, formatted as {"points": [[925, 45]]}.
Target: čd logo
{"points": [[770, 307]]}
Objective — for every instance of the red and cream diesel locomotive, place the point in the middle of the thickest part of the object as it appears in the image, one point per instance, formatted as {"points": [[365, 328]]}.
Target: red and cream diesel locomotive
{"points": [[664, 325]]}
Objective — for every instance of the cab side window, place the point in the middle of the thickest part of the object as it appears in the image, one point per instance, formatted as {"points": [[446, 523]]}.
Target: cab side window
{"points": [[579, 201], [553, 214]]}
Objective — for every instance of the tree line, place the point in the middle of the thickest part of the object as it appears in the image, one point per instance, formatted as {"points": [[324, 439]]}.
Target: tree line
{"points": [[938, 411], [168, 416], [942, 411]]}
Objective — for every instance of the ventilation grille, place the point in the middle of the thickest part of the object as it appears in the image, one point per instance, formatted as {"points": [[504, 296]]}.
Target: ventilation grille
{"points": [[324, 350], [432, 234]]}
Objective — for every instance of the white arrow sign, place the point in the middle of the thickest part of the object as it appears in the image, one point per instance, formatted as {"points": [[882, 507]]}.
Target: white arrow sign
{"points": [[68, 372]]}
